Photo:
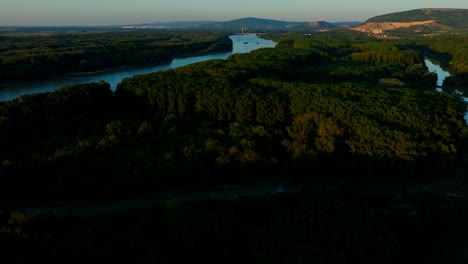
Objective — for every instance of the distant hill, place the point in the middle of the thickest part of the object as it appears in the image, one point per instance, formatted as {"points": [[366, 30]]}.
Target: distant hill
{"points": [[249, 24], [426, 20], [346, 24], [175, 24], [319, 25], [252, 24]]}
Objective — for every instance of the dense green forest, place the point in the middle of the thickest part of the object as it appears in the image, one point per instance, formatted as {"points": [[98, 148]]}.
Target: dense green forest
{"points": [[33, 56], [326, 106], [325, 112], [453, 50]]}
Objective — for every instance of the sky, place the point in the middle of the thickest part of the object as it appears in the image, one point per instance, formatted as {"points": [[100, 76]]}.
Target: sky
{"points": [[127, 12]]}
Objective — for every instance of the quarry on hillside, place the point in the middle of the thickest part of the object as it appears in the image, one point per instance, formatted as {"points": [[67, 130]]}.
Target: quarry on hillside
{"points": [[377, 28]]}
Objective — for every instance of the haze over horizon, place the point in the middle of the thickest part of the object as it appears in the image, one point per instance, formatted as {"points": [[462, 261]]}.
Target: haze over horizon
{"points": [[123, 12]]}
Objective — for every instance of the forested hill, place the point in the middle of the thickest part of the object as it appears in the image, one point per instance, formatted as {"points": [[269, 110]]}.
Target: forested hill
{"points": [[427, 20], [456, 18], [253, 24]]}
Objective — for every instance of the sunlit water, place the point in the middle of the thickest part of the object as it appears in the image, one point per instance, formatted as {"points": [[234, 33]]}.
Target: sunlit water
{"points": [[441, 74], [241, 44]]}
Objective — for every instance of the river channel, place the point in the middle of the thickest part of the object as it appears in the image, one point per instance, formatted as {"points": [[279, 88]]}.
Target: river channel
{"points": [[241, 44], [441, 74]]}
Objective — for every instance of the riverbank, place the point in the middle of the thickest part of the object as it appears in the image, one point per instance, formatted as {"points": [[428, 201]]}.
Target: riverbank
{"points": [[113, 76], [37, 57]]}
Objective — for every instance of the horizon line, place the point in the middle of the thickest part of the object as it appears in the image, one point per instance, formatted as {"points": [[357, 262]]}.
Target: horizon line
{"points": [[181, 21]]}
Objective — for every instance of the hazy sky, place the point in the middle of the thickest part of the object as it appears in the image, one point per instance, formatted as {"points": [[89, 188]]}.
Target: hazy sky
{"points": [[119, 12]]}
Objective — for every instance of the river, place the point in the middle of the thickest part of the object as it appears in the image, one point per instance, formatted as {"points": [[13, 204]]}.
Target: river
{"points": [[86, 209], [441, 75], [241, 44]]}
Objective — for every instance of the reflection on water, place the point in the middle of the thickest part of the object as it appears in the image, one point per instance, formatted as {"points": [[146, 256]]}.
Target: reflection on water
{"points": [[113, 76], [441, 75]]}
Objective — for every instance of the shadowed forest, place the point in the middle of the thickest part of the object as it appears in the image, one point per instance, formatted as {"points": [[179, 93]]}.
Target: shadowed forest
{"points": [[341, 116]]}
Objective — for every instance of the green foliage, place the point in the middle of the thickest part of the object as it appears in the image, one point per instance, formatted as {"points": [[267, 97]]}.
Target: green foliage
{"points": [[13, 228], [327, 106], [456, 18], [451, 48], [36, 56], [314, 108]]}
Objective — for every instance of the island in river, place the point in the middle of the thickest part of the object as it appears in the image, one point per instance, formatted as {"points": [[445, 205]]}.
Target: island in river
{"points": [[114, 76]]}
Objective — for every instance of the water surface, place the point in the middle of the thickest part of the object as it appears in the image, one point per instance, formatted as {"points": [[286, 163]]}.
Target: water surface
{"points": [[435, 67], [241, 44], [441, 75]]}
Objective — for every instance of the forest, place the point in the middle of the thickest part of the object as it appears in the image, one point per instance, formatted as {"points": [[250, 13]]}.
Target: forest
{"points": [[26, 55], [326, 112]]}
